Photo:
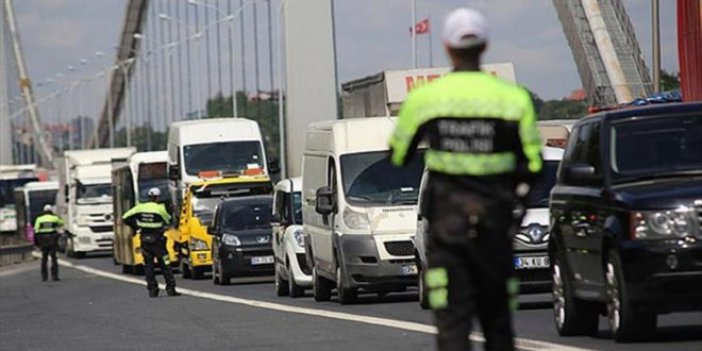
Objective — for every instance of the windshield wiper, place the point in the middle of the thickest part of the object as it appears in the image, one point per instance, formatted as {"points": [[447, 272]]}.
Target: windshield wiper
{"points": [[405, 202], [649, 177], [360, 198]]}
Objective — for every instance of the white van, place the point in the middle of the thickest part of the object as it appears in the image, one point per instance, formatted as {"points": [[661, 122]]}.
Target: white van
{"points": [[530, 244], [292, 274], [213, 147], [358, 210]]}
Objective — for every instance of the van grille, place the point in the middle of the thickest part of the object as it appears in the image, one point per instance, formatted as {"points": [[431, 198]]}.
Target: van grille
{"points": [[400, 248]]}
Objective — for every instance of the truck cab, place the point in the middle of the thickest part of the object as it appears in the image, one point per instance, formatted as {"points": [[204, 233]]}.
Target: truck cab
{"points": [[131, 181], [84, 199]]}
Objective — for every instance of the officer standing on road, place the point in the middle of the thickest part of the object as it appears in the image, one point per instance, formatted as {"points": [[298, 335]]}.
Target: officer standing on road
{"points": [[46, 236], [484, 152], [150, 219]]}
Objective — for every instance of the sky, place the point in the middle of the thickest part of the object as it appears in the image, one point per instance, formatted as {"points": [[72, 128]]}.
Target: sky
{"points": [[371, 36]]}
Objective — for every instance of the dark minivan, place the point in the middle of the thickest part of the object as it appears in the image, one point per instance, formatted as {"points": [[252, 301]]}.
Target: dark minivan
{"points": [[626, 218], [241, 244]]}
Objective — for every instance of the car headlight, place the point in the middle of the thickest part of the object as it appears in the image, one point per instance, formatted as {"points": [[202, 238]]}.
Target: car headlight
{"points": [[299, 236], [662, 224], [355, 220], [231, 240], [198, 245]]}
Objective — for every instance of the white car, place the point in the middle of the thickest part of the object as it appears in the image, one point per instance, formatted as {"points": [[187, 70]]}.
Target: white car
{"points": [[530, 244], [292, 274]]}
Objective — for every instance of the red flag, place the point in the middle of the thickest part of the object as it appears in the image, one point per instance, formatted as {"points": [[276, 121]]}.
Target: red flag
{"points": [[421, 27]]}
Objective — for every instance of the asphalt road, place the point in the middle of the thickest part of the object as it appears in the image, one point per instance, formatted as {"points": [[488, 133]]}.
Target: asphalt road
{"points": [[86, 311]]}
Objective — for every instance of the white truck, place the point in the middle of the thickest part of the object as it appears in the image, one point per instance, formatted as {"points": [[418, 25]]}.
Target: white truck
{"points": [[383, 93], [84, 199]]}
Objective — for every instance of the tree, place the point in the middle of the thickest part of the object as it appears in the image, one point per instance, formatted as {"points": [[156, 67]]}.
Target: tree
{"points": [[558, 109], [140, 138], [669, 81]]}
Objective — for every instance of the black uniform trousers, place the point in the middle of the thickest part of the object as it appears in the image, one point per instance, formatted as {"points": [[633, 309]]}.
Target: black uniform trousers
{"points": [[48, 243], [469, 254], [157, 250]]}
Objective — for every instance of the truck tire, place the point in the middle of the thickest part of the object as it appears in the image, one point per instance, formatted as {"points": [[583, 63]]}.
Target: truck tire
{"points": [[185, 269], [127, 269], [198, 273], [321, 287], [626, 320], [572, 316]]}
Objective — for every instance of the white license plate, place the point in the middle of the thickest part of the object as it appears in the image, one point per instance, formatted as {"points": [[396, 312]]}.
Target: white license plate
{"points": [[261, 260], [409, 269], [531, 262]]}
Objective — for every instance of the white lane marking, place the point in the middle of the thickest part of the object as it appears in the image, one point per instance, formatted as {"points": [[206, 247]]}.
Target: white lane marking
{"points": [[521, 343]]}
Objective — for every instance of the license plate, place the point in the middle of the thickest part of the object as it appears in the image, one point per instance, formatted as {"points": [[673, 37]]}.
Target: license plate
{"points": [[409, 269], [202, 256], [531, 262], [262, 260]]}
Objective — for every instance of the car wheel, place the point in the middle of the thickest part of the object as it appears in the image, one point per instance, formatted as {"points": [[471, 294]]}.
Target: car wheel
{"points": [[215, 274], [187, 274], [625, 321], [423, 293], [572, 316], [346, 295], [127, 269], [281, 286], [138, 269], [321, 288], [295, 290]]}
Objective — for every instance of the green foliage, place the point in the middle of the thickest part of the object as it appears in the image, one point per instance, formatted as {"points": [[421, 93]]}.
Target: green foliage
{"points": [[669, 80], [140, 138], [558, 109]]}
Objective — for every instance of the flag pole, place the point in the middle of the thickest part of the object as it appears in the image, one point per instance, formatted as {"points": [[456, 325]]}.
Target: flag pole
{"points": [[414, 33], [431, 46]]}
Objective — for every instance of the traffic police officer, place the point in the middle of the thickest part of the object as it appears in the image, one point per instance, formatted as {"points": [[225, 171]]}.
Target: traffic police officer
{"points": [[150, 219], [46, 235], [484, 151]]}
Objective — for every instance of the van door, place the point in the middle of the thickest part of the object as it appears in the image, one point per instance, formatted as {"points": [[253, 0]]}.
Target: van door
{"points": [[326, 247], [316, 226]]}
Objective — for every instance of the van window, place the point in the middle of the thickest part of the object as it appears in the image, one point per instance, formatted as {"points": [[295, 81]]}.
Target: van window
{"points": [[229, 157], [369, 178]]}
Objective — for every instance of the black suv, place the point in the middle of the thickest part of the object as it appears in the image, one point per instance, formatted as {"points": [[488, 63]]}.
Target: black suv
{"points": [[626, 219]]}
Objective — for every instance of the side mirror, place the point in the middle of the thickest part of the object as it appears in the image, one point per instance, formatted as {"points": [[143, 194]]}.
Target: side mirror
{"points": [[212, 230], [174, 172], [581, 174], [325, 204], [273, 166]]}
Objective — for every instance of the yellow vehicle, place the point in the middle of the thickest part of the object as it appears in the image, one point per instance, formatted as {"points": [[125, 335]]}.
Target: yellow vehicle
{"points": [[201, 198], [130, 183]]}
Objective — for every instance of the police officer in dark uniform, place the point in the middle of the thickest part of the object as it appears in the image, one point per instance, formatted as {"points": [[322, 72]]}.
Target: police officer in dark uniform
{"points": [[484, 152], [46, 236], [150, 219]]}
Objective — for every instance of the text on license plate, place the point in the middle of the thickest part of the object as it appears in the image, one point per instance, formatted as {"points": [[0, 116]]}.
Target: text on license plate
{"points": [[531, 262], [409, 269], [262, 260]]}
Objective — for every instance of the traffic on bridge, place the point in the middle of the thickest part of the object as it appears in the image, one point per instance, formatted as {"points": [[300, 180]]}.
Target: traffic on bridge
{"points": [[350, 175]]}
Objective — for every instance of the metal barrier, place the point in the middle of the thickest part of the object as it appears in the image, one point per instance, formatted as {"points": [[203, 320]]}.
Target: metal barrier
{"points": [[15, 254]]}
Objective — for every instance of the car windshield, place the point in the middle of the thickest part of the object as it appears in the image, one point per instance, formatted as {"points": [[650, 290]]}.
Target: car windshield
{"points": [[297, 207], [94, 193], [237, 216], [369, 178], [37, 200], [228, 157], [160, 184], [7, 188], [203, 208], [656, 147], [539, 195]]}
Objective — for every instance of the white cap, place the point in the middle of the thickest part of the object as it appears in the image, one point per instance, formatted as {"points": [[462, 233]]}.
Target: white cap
{"points": [[48, 208], [464, 28], [154, 192]]}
